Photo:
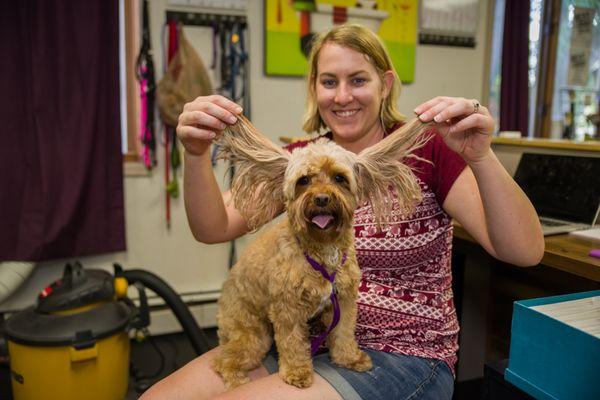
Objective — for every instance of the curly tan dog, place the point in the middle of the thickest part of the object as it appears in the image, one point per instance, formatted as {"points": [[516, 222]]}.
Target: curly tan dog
{"points": [[273, 291]]}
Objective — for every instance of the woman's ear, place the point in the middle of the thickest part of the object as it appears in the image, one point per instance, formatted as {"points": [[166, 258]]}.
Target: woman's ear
{"points": [[388, 80], [257, 186]]}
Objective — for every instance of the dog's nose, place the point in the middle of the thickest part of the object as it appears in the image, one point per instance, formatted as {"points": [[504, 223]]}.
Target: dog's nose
{"points": [[321, 200]]}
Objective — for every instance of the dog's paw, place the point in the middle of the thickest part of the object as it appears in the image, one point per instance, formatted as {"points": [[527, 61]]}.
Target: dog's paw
{"points": [[361, 363], [301, 377], [232, 377]]}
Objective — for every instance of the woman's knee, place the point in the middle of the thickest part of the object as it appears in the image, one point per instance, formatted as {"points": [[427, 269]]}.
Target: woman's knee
{"points": [[195, 380]]}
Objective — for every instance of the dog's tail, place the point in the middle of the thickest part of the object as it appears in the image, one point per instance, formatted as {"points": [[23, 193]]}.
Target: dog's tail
{"points": [[384, 166], [260, 167]]}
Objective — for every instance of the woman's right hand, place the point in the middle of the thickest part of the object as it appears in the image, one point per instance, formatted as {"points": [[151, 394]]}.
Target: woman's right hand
{"points": [[203, 119]]}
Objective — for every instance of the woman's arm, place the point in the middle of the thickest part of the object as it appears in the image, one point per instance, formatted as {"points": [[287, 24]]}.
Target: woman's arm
{"points": [[210, 213], [484, 198], [210, 216]]}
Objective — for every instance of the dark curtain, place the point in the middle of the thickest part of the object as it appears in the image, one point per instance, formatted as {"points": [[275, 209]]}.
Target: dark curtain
{"points": [[61, 181], [514, 89]]}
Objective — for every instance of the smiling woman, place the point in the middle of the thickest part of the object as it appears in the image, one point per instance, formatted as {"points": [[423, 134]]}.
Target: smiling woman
{"points": [[406, 319], [349, 92]]}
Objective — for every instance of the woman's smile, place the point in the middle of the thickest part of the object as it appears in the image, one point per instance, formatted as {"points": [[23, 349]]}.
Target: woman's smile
{"points": [[346, 114]]}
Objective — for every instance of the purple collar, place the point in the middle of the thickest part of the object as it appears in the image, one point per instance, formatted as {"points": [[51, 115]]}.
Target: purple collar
{"points": [[318, 340]]}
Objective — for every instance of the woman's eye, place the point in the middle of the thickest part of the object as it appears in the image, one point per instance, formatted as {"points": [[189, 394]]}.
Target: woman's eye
{"points": [[328, 83], [303, 181], [340, 178], [359, 81]]}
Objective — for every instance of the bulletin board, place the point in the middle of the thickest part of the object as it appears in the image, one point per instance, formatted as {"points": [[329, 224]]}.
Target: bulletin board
{"points": [[395, 21]]}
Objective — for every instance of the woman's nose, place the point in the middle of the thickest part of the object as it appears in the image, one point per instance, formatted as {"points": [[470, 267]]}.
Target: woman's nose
{"points": [[343, 94]]}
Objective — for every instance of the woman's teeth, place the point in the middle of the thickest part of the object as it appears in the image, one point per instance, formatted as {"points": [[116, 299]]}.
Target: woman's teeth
{"points": [[345, 113]]}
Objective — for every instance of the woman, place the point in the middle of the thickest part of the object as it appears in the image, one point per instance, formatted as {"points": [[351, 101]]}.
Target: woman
{"points": [[406, 317]]}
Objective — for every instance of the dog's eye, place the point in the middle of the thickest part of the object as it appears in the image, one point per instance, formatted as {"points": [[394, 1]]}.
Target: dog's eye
{"points": [[303, 181], [339, 178]]}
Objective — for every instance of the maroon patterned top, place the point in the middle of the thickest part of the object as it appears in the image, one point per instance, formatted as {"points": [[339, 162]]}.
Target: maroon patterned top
{"points": [[405, 302]]}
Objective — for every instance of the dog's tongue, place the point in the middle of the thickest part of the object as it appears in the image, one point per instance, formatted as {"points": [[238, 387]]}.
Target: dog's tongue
{"points": [[322, 220]]}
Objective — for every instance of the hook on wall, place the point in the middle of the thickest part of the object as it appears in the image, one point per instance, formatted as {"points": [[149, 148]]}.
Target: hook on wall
{"points": [[203, 19]]}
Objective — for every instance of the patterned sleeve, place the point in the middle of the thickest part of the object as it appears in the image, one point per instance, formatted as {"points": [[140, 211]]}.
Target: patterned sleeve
{"points": [[447, 166]]}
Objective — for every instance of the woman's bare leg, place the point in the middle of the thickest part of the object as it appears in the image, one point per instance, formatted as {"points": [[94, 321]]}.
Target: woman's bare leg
{"points": [[273, 387], [197, 380]]}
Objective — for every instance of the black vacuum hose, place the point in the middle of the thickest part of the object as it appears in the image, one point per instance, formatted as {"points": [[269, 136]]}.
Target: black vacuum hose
{"points": [[172, 299]]}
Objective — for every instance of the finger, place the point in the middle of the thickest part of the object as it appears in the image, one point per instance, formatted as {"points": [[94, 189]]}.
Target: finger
{"points": [[191, 132], [421, 108], [483, 110], [478, 122], [227, 104], [433, 111], [202, 102], [219, 112], [459, 110], [201, 118]]}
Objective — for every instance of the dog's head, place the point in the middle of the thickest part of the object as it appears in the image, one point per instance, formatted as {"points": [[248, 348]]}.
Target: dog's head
{"points": [[320, 184], [319, 190]]}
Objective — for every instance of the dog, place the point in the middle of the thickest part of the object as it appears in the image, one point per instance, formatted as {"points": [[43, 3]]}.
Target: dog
{"points": [[274, 290]]}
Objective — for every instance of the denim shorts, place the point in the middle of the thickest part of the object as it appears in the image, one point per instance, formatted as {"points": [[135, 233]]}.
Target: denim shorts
{"points": [[394, 376]]}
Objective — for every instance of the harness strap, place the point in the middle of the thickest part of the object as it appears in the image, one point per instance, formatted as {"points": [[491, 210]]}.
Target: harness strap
{"points": [[316, 342]]}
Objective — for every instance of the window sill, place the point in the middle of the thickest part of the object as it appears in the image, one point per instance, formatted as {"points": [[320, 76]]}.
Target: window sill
{"points": [[133, 167], [549, 143]]}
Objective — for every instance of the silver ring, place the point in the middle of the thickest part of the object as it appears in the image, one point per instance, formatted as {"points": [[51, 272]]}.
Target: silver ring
{"points": [[475, 106]]}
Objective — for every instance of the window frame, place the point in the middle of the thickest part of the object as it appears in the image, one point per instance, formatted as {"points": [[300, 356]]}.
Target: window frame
{"points": [[131, 11]]}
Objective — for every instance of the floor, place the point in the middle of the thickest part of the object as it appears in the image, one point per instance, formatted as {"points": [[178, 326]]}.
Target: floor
{"points": [[148, 366]]}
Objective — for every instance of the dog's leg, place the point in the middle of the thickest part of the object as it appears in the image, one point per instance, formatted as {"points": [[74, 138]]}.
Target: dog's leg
{"points": [[342, 344], [293, 346], [245, 347]]}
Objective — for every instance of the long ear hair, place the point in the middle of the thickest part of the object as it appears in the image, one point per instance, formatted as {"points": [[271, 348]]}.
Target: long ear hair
{"points": [[257, 187], [382, 166]]}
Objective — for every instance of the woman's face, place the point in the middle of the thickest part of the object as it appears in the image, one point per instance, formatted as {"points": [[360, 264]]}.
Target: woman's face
{"points": [[349, 94]]}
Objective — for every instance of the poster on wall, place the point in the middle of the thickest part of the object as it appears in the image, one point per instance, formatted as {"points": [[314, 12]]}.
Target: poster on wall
{"points": [[581, 46], [291, 24]]}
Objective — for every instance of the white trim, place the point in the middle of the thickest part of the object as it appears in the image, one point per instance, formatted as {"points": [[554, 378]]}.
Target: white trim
{"points": [[122, 78]]}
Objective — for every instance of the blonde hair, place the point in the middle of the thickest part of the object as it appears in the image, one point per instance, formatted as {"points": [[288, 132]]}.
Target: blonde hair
{"points": [[363, 40]]}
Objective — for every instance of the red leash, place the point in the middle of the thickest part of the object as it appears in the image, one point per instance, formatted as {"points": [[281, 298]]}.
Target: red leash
{"points": [[171, 53]]}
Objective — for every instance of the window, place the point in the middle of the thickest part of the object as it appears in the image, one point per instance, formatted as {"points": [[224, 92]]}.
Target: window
{"points": [[574, 104], [571, 110]]}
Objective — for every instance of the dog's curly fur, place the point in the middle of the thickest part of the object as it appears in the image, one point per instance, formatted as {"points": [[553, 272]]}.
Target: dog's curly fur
{"points": [[273, 291]]}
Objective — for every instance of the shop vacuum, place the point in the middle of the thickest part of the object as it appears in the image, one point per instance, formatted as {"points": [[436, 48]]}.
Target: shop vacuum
{"points": [[74, 343]]}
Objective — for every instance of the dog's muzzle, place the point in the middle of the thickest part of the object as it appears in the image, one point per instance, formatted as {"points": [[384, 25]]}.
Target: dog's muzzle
{"points": [[321, 213]]}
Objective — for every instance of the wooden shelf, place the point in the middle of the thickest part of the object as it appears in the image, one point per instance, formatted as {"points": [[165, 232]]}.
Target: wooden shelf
{"points": [[549, 143]]}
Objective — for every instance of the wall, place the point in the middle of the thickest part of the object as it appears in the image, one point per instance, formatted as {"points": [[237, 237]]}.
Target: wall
{"points": [[277, 107]]}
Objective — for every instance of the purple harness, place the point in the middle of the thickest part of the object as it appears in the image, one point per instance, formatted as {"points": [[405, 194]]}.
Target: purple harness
{"points": [[317, 341]]}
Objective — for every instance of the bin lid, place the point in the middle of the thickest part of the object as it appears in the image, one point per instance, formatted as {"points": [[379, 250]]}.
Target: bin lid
{"points": [[76, 288], [35, 328]]}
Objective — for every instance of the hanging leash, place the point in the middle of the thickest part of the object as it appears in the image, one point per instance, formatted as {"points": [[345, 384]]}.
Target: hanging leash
{"points": [[230, 63], [171, 185], [145, 75], [317, 341]]}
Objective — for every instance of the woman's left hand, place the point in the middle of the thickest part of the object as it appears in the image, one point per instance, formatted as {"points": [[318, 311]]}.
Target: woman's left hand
{"points": [[465, 125]]}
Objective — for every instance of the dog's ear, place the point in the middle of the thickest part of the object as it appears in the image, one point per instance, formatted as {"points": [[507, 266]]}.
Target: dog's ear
{"points": [[257, 186], [382, 166]]}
